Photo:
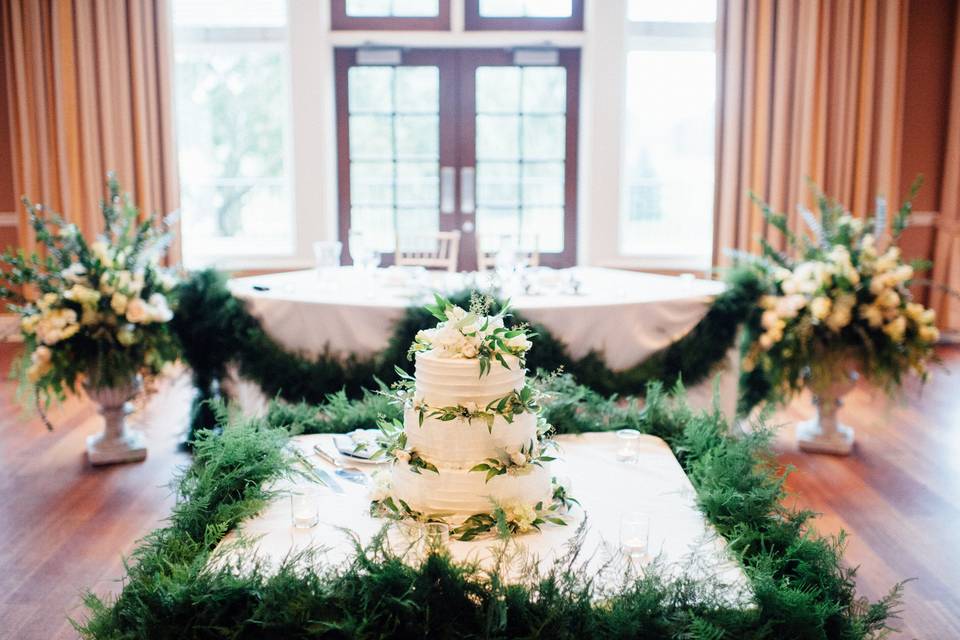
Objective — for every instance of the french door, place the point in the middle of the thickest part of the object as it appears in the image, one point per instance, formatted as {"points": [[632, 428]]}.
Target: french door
{"points": [[484, 141]]}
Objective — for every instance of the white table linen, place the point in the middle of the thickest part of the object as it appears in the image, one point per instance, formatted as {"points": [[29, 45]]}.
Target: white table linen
{"points": [[623, 315], [606, 488]]}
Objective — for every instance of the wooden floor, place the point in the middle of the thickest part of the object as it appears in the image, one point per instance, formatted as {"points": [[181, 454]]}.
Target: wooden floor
{"points": [[64, 526]]}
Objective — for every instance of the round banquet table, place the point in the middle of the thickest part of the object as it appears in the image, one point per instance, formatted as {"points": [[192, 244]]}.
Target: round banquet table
{"points": [[607, 489], [623, 315]]}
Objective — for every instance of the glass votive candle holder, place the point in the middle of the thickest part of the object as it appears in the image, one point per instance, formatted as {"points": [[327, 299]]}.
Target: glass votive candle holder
{"points": [[628, 445], [635, 535], [304, 510], [436, 536]]}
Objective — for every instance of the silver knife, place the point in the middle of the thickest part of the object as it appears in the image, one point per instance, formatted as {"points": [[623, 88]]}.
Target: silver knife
{"points": [[328, 480]]}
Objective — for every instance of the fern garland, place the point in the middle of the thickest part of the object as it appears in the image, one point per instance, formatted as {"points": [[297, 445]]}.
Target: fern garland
{"points": [[216, 330], [801, 589]]}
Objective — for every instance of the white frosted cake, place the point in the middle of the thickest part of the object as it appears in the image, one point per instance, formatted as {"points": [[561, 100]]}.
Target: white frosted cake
{"points": [[471, 449]]}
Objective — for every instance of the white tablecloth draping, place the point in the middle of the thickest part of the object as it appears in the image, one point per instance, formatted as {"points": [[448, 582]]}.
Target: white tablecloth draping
{"points": [[606, 488], [623, 315]]}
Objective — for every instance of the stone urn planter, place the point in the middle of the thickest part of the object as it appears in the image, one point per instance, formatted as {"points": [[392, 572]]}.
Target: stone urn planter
{"points": [[824, 433], [116, 443]]}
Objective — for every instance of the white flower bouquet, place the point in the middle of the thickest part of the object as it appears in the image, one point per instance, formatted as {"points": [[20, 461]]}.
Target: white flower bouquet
{"points": [[843, 303], [469, 334], [94, 312]]}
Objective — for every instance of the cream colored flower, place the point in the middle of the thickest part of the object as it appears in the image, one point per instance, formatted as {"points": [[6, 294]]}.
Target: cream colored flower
{"points": [[82, 295], [929, 333], [40, 363], [402, 455], [820, 307], [380, 485], [914, 311], [518, 342], [888, 299], [768, 319], [929, 316], [28, 324], [89, 316], [521, 515], [766, 341], [118, 302], [896, 328], [101, 252], [518, 458], [469, 350], [839, 318], [57, 325], [76, 273], [872, 314], [137, 311]]}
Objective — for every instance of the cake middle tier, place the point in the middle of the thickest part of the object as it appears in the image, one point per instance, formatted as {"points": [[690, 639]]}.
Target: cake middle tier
{"points": [[445, 382], [459, 443], [461, 493]]}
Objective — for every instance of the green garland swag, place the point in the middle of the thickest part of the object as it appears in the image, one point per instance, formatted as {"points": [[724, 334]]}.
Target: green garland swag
{"points": [[216, 329], [800, 587]]}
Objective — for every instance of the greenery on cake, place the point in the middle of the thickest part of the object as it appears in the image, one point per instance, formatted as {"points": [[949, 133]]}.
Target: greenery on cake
{"points": [[96, 311], [472, 333], [403, 393], [838, 299], [801, 588], [517, 460]]}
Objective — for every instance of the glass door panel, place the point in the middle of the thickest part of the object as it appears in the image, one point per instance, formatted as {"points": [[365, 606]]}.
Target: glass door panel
{"points": [[517, 124], [390, 176]]}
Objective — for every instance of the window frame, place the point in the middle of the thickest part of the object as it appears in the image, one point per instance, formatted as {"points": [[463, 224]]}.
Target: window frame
{"points": [[340, 21], [473, 21], [276, 39]]}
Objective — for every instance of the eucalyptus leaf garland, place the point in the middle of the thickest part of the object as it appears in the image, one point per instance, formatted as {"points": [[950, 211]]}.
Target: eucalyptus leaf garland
{"points": [[799, 584], [216, 330]]}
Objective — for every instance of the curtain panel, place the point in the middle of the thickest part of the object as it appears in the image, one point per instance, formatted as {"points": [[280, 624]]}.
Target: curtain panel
{"points": [[946, 257], [807, 89], [89, 92]]}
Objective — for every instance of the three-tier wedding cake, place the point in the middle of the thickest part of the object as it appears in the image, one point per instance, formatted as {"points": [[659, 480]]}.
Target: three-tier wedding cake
{"points": [[472, 449]]}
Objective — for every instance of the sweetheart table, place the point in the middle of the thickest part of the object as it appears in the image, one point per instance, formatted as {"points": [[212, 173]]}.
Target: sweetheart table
{"points": [[607, 489], [625, 316]]}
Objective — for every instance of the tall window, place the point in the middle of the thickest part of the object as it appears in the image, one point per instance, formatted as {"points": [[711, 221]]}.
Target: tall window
{"points": [[667, 209], [231, 91]]}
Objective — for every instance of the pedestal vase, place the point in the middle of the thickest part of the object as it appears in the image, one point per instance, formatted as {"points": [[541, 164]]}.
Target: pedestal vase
{"points": [[824, 433], [116, 443]]}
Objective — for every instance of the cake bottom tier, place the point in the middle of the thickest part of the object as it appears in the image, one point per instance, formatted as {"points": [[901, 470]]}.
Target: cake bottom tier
{"points": [[460, 493]]}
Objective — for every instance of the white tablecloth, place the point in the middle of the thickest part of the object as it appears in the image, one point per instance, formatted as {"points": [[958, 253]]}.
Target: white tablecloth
{"points": [[623, 315], [606, 488]]}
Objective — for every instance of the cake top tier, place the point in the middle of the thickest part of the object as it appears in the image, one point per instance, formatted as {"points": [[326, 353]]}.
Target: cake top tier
{"points": [[473, 334]]}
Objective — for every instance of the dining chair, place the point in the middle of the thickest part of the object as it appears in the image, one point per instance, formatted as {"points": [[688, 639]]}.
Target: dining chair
{"points": [[438, 250], [488, 247]]}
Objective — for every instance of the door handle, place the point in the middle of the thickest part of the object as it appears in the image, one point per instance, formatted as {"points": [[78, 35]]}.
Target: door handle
{"points": [[447, 197], [468, 202]]}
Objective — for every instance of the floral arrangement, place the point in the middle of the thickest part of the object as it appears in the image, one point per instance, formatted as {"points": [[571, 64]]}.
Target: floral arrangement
{"points": [[843, 303], [472, 333], [505, 519], [96, 312], [517, 461]]}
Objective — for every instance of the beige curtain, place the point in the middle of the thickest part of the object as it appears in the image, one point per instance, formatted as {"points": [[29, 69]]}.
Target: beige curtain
{"points": [[89, 90], [808, 88], [946, 260]]}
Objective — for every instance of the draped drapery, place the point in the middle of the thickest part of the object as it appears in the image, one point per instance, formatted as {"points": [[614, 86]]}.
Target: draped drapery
{"points": [[807, 89], [946, 257], [89, 91]]}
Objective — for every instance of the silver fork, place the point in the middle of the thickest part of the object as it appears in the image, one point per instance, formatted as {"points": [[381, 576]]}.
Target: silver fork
{"points": [[345, 471]]}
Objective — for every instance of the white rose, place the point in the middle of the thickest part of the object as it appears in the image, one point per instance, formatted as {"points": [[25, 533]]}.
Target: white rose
{"points": [[889, 299], [896, 328], [518, 342], [137, 311], [455, 314], [402, 455], [768, 319], [469, 350], [839, 319], [766, 341], [380, 485], [518, 458], [76, 272], [494, 322], [101, 252], [914, 311], [159, 310]]}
